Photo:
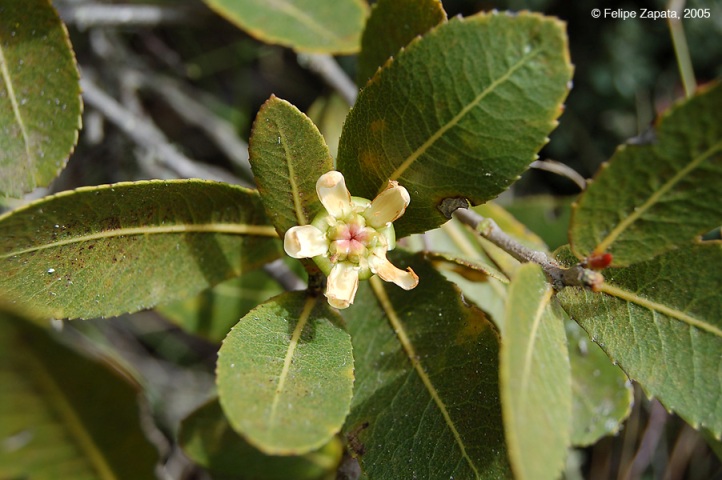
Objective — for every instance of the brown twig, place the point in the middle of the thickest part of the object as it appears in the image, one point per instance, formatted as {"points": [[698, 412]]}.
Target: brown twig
{"points": [[560, 277]]}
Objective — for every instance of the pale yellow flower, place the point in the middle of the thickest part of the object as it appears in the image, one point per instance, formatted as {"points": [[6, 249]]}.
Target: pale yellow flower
{"points": [[350, 239]]}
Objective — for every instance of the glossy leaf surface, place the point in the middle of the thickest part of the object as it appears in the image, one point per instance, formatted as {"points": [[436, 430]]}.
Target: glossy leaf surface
{"points": [[602, 395], [63, 415], [535, 378], [426, 401], [208, 439], [103, 251], [323, 26], [40, 101], [285, 374], [390, 27], [461, 111], [661, 320], [655, 197], [288, 155]]}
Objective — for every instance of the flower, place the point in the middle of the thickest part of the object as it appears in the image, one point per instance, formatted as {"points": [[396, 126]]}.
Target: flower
{"points": [[349, 240]]}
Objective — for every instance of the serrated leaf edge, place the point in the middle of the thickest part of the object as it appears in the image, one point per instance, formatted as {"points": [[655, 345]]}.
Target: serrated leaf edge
{"points": [[396, 174], [229, 228], [377, 287], [604, 245]]}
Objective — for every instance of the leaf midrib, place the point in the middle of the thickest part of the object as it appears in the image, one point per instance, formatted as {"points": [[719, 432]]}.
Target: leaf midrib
{"points": [[298, 208], [400, 331], [637, 213], [529, 353], [633, 297], [16, 108], [228, 228], [396, 174], [293, 343], [72, 421]]}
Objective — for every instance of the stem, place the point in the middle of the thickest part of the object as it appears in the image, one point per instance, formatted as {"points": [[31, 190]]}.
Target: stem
{"points": [[560, 277], [146, 134], [681, 51], [285, 277], [562, 170], [100, 15]]}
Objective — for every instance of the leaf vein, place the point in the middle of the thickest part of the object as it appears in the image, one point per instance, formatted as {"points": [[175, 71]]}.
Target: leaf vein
{"points": [[14, 102], [72, 421], [300, 214], [398, 327], [526, 371], [660, 308], [229, 228], [295, 336], [637, 213], [396, 174]]}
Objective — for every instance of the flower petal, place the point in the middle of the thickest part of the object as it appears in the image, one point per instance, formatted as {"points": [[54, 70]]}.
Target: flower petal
{"points": [[381, 266], [342, 285], [335, 197], [388, 205], [305, 241]]}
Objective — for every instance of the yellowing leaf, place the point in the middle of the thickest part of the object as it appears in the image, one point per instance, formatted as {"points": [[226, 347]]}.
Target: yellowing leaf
{"points": [[535, 378], [329, 26]]}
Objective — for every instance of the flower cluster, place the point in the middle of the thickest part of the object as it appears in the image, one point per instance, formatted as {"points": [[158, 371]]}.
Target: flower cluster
{"points": [[350, 239]]}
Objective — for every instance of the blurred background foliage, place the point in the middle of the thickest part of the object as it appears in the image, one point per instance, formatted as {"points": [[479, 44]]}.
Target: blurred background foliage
{"points": [[159, 72]]}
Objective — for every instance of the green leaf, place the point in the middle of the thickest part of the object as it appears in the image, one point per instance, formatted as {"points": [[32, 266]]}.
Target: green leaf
{"points": [[63, 415], [288, 155], [655, 197], [390, 27], [40, 102], [661, 320], [601, 394], [461, 111], [535, 378], [213, 312], [324, 26], [426, 401], [285, 374], [103, 251], [208, 439]]}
